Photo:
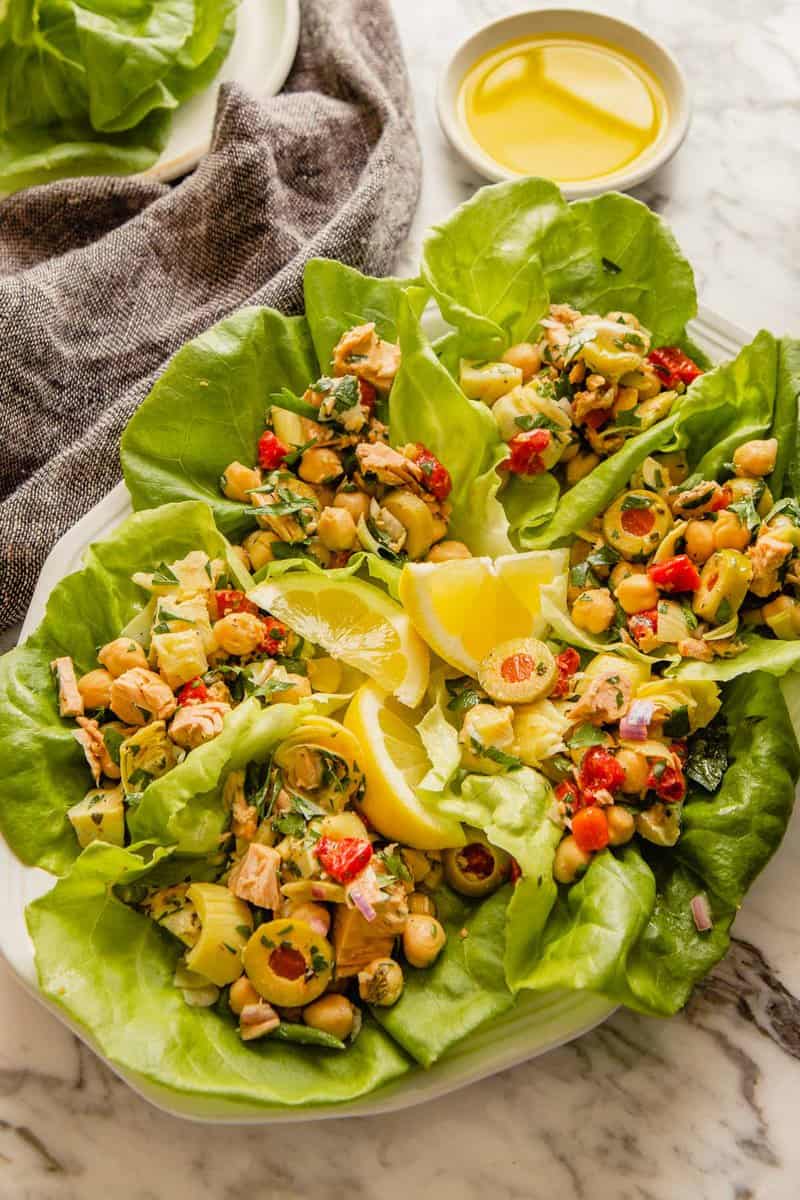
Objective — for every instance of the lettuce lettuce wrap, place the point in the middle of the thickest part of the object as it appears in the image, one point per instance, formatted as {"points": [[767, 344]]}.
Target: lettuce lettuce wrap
{"points": [[208, 408], [43, 765]]}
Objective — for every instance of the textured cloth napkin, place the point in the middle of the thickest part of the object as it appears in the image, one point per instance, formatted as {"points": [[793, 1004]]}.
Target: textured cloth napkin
{"points": [[102, 280]]}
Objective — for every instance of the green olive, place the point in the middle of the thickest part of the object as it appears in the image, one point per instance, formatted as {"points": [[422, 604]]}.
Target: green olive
{"points": [[518, 671], [416, 518], [288, 962], [636, 523], [660, 824], [724, 581], [477, 868]]}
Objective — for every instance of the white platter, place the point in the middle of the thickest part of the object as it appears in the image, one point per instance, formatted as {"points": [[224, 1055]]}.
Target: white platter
{"points": [[537, 1024], [263, 50]]}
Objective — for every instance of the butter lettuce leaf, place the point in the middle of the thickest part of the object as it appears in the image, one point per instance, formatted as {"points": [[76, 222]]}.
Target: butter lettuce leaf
{"points": [[44, 771], [110, 968]]}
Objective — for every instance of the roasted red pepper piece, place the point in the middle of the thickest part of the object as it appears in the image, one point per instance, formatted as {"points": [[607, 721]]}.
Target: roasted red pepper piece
{"points": [[344, 858], [437, 477], [526, 452], [567, 794], [599, 771], [677, 574], [193, 692], [366, 395], [275, 634], [271, 451], [668, 784], [567, 663], [723, 500], [230, 600], [596, 418], [673, 366], [643, 623], [590, 829]]}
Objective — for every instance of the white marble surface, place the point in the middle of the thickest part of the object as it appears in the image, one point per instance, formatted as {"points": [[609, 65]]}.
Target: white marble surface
{"points": [[702, 1107]]}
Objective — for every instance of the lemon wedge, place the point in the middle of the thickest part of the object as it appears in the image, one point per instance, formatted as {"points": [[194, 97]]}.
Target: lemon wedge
{"points": [[394, 763], [465, 607], [354, 622]]}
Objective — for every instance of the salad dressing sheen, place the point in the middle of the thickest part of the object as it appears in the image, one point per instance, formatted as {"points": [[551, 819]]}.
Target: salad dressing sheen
{"points": [[563, 107]]}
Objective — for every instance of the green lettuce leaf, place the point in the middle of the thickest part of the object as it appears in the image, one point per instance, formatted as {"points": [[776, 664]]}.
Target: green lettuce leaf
{"points": [[728, 838], [208, 409], [44, 771], [184, 808], [110, 968], [337, 298], [770, 655], [785, 478], [464, 988], [496, 263], [427, 405]]}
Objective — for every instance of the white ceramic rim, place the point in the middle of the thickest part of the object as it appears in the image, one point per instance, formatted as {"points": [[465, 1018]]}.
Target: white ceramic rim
{"points": [[567, 19]]}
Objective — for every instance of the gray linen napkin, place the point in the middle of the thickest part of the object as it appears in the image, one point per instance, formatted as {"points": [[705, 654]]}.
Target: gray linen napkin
{"points": [[102, 280]]}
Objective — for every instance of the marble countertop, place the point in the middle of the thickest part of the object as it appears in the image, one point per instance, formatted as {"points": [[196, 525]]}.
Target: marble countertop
{"points": [[702, 1107]]}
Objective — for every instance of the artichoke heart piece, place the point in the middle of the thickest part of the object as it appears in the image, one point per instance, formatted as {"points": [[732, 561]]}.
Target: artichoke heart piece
{"points": [[147, 755], [288, 962], [487, 381], [99, 817], [179, 656], [225, 926], [194, 573], [614, 349], [171, 908], [319, 761], [173, 616], [724, 581]]}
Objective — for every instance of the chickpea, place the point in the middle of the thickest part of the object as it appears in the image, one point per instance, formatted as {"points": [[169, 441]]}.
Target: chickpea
{"points": [[315, 915], [526, 357], [729, 533], [594, 610], [121, 655], [774, 609], [337, 529], [299, 687], [418, 902], [570, 861], [259, 547], [756, 457], [381, 982], [423, 939], [637, 771], [356, 503], [242, 993], [621, 825], [699, 540], [624, 570], [238, 481], [637, 593], [580, 466], [332, 1014], [418, 863], [239, 633], [447, 551], [95, 689], [320, 465]]}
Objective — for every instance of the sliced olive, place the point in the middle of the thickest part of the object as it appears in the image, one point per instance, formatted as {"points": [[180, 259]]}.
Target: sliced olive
{"points": [[724, 581], [288, 962], [477, 868], [518, 671], [636, 523]]}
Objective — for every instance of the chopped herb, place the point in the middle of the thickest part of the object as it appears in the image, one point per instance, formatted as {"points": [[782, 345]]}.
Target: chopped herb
{"points": [[244, 931], [689, 617], [229, 948], [724, 611], [396, 867], [677, 723], [585, 735], [265, 941], [286, 399], [281, 550], [577, 342], [319, 962], [582, 576], [526, 422], [164, 575], [112, 740], [746, 512], [290, 824], [495, 755], [708, 756], [463, 695], [634, 501], [611, 267], [629, 419]]}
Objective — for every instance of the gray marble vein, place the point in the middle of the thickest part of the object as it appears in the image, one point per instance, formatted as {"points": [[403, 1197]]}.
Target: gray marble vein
{"points": [[703, 1107]]}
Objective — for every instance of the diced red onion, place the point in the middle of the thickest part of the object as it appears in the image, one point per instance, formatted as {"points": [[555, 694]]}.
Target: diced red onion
{"points": [[362, 904], [701, 913], [635, 724]]}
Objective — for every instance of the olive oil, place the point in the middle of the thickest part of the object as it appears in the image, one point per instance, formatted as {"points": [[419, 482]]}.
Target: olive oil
{"points": [[565, 107]]}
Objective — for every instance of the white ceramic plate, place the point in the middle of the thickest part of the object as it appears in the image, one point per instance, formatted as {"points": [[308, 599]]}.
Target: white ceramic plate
{"points": [[263, 50], [538, 1022]]}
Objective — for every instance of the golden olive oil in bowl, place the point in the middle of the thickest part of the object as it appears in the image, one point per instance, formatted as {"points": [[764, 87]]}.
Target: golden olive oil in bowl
{"points": [[570, 108]]}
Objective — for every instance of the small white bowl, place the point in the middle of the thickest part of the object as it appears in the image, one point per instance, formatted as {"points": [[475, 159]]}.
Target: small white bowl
{"points": [[589, 24]]}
